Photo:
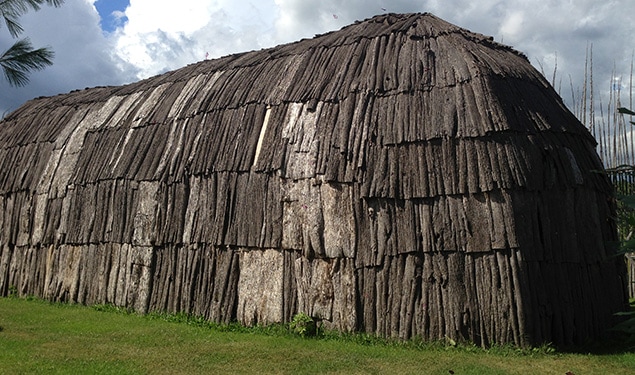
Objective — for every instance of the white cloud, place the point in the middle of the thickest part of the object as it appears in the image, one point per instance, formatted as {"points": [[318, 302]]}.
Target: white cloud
{"points": [[159, 36], [186, 16], [119, 14], [82, 53], [512, 25]]}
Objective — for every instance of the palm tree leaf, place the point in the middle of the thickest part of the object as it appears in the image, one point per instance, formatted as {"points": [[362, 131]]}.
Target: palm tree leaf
{"points": [[12, 25], [625, 111], [21, 59], [55, 3], [12, 10]]}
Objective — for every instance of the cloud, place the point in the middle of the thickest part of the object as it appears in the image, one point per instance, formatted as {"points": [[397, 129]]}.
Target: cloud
{"points": [[306, 18], [82, 54], [157, 38], [185, 17], [513, 24], [120, 16]]}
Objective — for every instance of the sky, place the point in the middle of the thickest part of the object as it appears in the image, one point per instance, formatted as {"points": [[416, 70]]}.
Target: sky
{"points": [[113, 42], [112, 14]]}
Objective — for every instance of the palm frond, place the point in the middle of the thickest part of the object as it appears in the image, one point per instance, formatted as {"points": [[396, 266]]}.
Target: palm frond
{"points": [[21, 59], [12, 10], [625, 111], [55, 3]]}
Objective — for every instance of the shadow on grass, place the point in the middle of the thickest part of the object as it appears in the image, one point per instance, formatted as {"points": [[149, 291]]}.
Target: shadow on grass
{"points": [[619, 340]]}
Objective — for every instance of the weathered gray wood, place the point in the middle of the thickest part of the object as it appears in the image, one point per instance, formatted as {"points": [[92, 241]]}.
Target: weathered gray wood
{"points": [[260, 287]]}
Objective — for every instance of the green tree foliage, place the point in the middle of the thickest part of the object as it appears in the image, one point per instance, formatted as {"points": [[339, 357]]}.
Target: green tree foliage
{"points": [[21, 58], [625, 199], [626, 229]]}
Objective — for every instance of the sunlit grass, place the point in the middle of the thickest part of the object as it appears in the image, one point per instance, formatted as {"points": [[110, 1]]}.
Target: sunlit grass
{"points": [[39, 337]]}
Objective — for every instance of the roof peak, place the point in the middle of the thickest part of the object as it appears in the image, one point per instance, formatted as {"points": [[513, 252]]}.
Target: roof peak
{"points": [[417, 25]]}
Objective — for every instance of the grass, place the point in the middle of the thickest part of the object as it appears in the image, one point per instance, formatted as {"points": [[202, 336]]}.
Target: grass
{"points": [[40, 337]]}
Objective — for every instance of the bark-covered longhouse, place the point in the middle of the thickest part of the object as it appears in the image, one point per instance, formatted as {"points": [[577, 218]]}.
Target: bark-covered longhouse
{"points": [[401, 176]]}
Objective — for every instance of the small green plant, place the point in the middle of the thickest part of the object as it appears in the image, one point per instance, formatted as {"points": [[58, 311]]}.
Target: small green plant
{"points": [[627, 326], [303, 325], [13, 291]]}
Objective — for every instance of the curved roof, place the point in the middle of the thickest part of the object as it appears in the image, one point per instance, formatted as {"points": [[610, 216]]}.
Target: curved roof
{"points": [[394, 86]]}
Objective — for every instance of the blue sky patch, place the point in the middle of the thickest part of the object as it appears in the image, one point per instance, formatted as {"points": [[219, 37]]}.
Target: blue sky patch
{"points": [[111, 13]]}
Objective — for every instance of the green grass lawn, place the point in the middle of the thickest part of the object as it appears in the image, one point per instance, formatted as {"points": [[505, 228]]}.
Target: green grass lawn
{"points": [[43, 338]]}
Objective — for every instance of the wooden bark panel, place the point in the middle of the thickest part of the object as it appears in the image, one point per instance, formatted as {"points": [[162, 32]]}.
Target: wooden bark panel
{"points": [[475, 223], [199, 280], [339, 220], [6, 255], [439, 295], [326, 291], [260, 287]]}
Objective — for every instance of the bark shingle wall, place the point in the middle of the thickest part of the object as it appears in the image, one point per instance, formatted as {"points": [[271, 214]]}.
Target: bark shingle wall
{"points": [[401, 176]]}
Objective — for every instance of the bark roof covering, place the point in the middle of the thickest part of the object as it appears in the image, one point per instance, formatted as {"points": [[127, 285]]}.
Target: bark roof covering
{"points": [[459, 113]]}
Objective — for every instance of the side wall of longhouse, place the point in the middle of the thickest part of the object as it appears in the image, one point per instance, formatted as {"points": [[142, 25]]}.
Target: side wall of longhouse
{"points": [[489, 257]]}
